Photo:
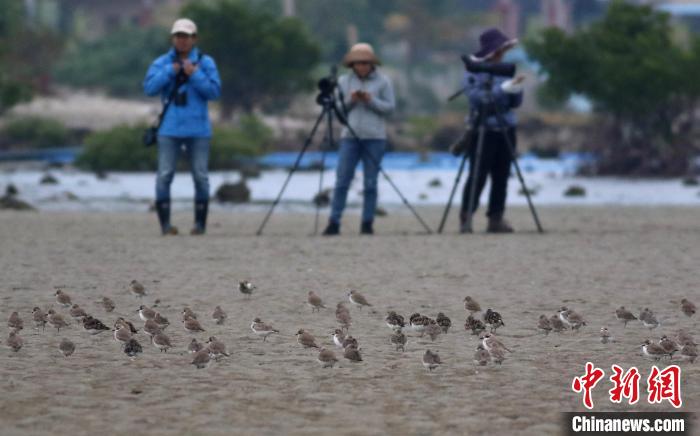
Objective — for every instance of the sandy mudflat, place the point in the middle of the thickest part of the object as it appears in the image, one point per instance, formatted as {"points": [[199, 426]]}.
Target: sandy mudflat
{"points": [[592, 259]]}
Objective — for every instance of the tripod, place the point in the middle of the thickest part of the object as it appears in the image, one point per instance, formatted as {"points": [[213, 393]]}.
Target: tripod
{"points": [[326, 99], [488, 107]]}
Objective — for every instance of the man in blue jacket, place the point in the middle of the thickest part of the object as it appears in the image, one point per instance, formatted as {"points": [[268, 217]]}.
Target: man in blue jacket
{"points": [[186, 121]]}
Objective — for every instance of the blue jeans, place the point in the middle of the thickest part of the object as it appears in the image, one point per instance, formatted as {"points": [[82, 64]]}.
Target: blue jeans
{"points": [[370, 152], [197, 150]]}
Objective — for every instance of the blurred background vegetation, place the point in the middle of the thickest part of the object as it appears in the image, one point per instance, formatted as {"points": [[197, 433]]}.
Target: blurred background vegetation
{"points": [[613, 77]]}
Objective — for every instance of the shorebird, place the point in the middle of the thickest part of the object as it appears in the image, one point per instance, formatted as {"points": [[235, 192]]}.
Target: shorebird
{"points": [[490, 341], [62, 298], [219, 315], [151, 328], [108, 304], [14, 342], [217, 348], [122, 322], [342, 315], [394, 321], [669, 345], [194, 346], [201, 358], [649, 320], [544, 325], [683, 337], [93, 325], [39, 318], [352, 353], [418, 322], [146, 313], [433, 330], [471, 306], [56, 320], [571, 318], [132, 348], [262, 329], [326, 358], [624, 315], [557, 324], [77, 312], [192, 325], [399, 339], [137, 289], [689, 352], [605, 336], [306, 339], [357, 299], [315, 302], [161, 341], [431, 360], [494, 319], [338, 338], [66, 347], [161, 321], [444, 322], [481, 356], [122, 334], [653, 351], [15, 322], [246, 288], [475, 325], [688, 308]]}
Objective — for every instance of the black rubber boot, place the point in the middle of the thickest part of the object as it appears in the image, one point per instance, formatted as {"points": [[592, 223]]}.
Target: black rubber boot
{"points": [[163, 210], [464, 225], [201, 209], [366, 228], [333, 229]]}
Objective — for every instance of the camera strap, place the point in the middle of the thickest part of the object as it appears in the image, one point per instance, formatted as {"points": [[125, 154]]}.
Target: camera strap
{"points": [[172, 95]]}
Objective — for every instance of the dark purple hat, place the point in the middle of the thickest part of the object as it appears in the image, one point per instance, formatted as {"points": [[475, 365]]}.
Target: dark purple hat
{"points": [[492, 40]]}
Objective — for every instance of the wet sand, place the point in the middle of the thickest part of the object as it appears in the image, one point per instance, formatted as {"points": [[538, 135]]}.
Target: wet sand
{"points": [[591, 259]]}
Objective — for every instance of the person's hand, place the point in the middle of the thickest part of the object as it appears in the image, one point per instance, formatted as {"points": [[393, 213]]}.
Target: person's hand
{"points": [[356, 96], [176, 67], [189, 67]]}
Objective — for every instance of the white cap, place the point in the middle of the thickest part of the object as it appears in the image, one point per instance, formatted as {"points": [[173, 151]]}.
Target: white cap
{"points": [[184, 25]]}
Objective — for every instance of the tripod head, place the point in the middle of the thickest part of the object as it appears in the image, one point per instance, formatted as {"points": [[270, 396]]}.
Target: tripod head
{"points": [[327, 86], [493, 68]]}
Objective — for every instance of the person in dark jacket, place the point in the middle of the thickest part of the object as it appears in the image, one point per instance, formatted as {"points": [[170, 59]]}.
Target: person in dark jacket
{"points": [[506, 94], [186, 124]]}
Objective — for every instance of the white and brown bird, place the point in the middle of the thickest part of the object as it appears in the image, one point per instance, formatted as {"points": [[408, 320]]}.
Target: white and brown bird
{"points": [[15, 322], [443, 321], [399, 339], [481, 356], [40, 318], [357, 299], [688, 308], [194, 346], [653, 351], [56, 320], [151, 328], [326, 358], [137, 288], [306, 339], [121, 333], [201, 358], [571, 318], [490, 341], [471, 306], [192, 325], [315, 302], [146, 313], [219, 316], [669, 345], [14, 341], [558, 325], [649, 320], [217, 349], [262, 329], [122, 322], [431, 360], [132, 348], [93, 325], [338, 338], [246, 288], [188, 313], [77, 312], [63, 299], [417, 323], [161, 341], [624, 315], [394, 321], [544, 325], [352, 353], [605, 335], [66, 347], [108, 304]]}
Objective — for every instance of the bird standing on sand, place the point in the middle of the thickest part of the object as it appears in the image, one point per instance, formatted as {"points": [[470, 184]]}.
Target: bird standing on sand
{"points": [[246, 288], [669, 345], [217, 348], [122, 322], [62, 298], [605, 336], [39, 318], [624, 315], [571, 318], [219, 316], [557, 324], [192, 325], [151, 328], [544, 325], [481, 356], [471, 306], [56, 320], [494, 319], [262, 329], [475, 325], [689, 352], [653, 351], [352, 353], [161, 341], [15, 322], [431, 360], [399, 339], [161, 321], [137, 289], [201, 358], [688, 308], [14, 342], [443, 321], [77, 312], [108, 304], [66, 347], [132, 348], [122, 334], [326, 358], [93, 325], [394, 321], [342, 315], [194, 346], [146, 313], [433, 330], [315, 302], [357, 299], [306, 339]]}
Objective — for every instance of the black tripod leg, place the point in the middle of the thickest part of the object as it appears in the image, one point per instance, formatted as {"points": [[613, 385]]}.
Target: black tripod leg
{"points": [[454, 190], [474, 173], [391, 182], [511, 152], [329, 136], [291, 172]]}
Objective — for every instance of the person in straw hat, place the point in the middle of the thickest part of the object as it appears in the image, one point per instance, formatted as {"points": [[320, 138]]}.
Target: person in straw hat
{"points": [[495, 158], [192, 80], [369, 100]]}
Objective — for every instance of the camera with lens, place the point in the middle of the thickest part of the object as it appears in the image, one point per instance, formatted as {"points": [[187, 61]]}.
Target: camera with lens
{"points": [[180, 79]]}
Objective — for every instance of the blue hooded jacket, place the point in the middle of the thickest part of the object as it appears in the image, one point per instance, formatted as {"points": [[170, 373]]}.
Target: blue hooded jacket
{"points": [[191, 120]]}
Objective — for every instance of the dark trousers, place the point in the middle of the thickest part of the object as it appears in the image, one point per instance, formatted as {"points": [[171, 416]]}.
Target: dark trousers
{"points": [[495, 162]]}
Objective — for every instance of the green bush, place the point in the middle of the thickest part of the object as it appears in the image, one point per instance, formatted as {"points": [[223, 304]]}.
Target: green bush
{"points": [[121, 149], [35, 132]]}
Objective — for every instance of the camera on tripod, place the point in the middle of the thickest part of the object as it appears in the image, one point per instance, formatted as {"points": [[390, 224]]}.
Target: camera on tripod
{"points": [[326, 88]]}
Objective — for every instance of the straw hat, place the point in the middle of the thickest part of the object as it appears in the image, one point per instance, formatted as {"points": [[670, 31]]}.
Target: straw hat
{"points": [[361, 52]]}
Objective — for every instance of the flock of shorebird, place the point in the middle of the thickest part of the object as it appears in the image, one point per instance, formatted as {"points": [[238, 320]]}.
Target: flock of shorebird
{"points": [[490, 348]]}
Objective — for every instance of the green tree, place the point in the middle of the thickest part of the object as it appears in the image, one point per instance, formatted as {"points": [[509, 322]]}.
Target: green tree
{"points": [[262, 59], [639, 79], [115, 63]]}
